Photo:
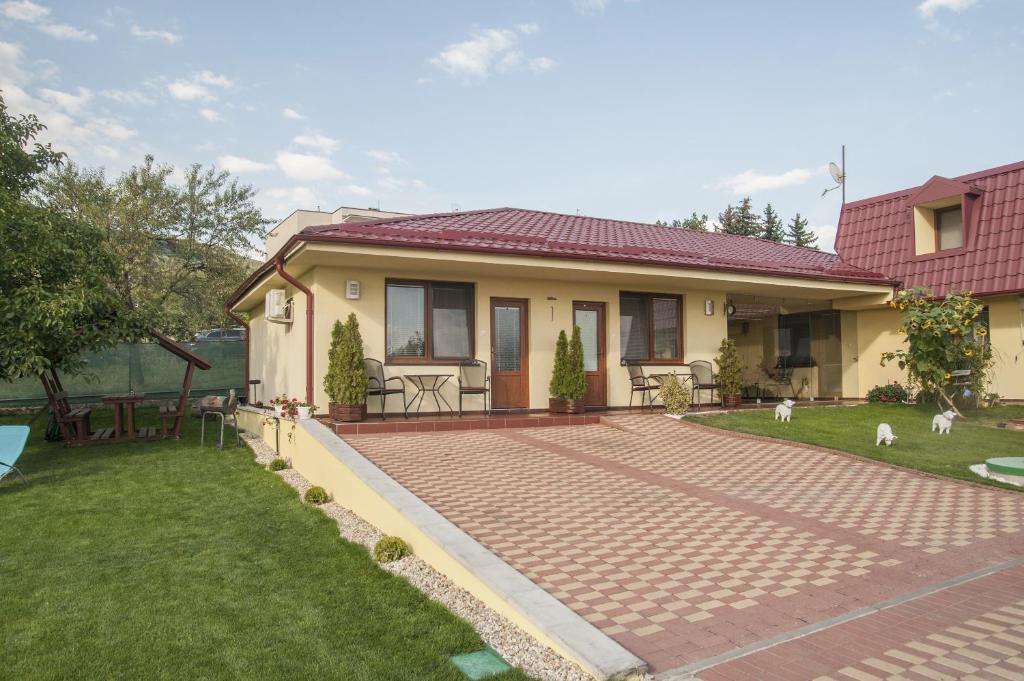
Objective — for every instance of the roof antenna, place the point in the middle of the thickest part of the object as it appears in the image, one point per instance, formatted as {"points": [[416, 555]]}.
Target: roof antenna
{"points": [[838, 174], [456, 208]]}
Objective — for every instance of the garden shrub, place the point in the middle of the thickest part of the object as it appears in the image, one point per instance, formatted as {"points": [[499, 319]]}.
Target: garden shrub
{"points": [[389, 549], [889, 393], [316, 495], [674, 395], [346, 381], [730, 368], [279, 464]]}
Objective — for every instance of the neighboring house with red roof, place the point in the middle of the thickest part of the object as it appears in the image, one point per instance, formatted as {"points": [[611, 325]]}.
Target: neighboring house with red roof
{"points": [[433, 292], [949, 234]]}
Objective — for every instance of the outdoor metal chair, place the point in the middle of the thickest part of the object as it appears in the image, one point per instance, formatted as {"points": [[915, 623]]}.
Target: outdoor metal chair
{"points": [[641, 383], [12, 444], [377, 384], [474, 380], [221, 408], [703, 379], [779, 378]]}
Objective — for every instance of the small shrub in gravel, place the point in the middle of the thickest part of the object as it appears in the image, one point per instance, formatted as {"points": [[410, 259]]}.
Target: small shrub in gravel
{"points": [[279, 464], [390, 549], [316, 495]]}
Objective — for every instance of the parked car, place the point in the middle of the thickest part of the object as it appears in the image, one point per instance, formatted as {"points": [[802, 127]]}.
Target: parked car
{"points": [[236, 333]]}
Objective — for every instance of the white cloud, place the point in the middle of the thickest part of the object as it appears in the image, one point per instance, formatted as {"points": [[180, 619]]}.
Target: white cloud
{"points": [[10, 67], [308, 167], [928, 8], [24, 10], [210, 115], [826, 236], [423, 80], [357, 190], [283, 200], [590, 7], [749, 181], [316, 141], [382, 156], [539, 64], [292, 114], [151, 34], [392, 184], [127, 97], [198, 86], [488, 50], [109, 127], [241, 164], [67, 32], [106, 151], [65, 100]]}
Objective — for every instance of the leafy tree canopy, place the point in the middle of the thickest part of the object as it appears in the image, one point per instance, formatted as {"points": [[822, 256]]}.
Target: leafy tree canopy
{"points": [[56, 270], [180, 248], [692, 222]]}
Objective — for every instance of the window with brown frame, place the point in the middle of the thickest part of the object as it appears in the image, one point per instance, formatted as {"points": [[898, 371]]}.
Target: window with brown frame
{"points": [[949, 228], [428, 321], [650, 327]]}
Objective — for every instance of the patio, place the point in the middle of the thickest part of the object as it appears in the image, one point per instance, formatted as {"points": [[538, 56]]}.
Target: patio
{"points": [[687, 545]]}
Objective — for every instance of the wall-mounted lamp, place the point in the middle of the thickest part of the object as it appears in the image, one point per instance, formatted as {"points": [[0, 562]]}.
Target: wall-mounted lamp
{"points": [[730, 309], [709, 307]]}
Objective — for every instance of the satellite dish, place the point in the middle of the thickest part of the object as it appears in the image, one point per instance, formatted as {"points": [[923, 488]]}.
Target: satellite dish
{"points": [[836, 173]]}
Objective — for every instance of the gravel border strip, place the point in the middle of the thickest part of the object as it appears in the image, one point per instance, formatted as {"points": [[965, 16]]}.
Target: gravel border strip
{"points": [[512, 643]]}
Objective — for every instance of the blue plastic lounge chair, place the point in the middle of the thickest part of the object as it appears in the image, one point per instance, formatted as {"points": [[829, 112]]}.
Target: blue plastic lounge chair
{"points": [[12, 444]]}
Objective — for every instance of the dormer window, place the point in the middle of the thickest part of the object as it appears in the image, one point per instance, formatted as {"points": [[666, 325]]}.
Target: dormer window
{"points": [[949, 227]]}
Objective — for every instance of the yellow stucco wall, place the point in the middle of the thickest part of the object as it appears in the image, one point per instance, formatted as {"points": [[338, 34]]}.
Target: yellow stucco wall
{"points": [[876, 333], [278, 351]]}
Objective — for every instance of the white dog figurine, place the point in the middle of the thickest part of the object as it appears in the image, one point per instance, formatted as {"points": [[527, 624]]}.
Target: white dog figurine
{"points": [[784, 410], [943, 421], [884, 433]]}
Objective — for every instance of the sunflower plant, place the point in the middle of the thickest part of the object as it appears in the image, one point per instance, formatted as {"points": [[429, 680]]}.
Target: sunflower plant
{"points": [[941, 336]]}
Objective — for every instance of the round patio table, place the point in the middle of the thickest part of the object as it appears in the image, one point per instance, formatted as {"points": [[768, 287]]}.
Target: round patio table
{"points": [[124, 412], [428, 384]]}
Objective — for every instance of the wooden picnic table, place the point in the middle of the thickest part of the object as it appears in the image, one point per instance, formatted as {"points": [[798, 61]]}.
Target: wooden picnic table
{"points": [[124, 412]]}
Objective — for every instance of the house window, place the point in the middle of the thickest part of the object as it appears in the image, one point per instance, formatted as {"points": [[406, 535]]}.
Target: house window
{"points": [[949, 227], [795, 340], [428, 321], [650, 327]]}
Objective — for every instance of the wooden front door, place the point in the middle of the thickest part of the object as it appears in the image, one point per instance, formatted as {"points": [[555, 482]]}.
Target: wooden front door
{"points": [[510, 352], [590, 318]]}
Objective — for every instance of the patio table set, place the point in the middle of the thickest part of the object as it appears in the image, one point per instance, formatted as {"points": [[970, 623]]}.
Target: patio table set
{"points": [[472, 380]]}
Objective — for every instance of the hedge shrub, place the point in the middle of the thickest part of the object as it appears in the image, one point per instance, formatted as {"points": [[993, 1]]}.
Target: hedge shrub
{"points": [[389, 549], [316, 495]]}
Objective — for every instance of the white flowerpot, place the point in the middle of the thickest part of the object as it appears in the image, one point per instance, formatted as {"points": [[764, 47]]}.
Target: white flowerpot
{"points": [[303, 413]]}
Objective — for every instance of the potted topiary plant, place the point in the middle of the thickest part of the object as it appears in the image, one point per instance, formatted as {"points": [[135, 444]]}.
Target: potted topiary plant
{"points": [[345, 382], [568, 379], [730, 373]]}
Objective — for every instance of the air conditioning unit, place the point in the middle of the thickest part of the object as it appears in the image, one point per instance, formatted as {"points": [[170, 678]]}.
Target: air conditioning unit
{"points": [[277, 306]]}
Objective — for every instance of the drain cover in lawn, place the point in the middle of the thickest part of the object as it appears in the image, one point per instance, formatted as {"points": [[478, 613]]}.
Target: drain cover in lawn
{"points": [[481, 664]]}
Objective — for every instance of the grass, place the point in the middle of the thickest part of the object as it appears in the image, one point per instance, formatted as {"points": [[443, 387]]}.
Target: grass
{"points": [[852, 429], [167, 561]]}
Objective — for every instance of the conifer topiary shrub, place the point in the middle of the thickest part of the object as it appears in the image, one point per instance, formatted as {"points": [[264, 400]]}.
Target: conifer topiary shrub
{"points": [[345, 382], [568, 379], [730, 373], [316, 495], [389, 549]]}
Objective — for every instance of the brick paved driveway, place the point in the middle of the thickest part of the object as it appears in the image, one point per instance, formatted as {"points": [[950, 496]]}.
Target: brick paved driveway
{"points": [[686, 544]]}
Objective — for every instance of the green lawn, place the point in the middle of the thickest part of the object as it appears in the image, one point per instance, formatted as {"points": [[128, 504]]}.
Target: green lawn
{"points": [[167, 561], [852, 429]]}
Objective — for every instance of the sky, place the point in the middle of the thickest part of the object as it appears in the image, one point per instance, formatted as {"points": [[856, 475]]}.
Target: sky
{"points": [[628, 109]]}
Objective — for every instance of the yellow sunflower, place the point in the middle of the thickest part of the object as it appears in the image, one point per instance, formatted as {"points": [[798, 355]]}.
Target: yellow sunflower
{"points": [[968, 352], [947, 376], [982, 331]]}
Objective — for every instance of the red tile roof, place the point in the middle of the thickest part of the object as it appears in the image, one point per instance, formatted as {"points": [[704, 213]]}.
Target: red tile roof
{"points": [[878, 234], [516, 231]]}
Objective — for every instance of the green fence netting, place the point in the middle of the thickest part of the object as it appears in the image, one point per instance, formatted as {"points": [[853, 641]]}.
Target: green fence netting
{"points": [[142, 368]]}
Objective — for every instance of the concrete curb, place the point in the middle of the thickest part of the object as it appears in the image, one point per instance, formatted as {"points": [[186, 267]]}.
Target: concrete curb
{"points": [[596, 652]]}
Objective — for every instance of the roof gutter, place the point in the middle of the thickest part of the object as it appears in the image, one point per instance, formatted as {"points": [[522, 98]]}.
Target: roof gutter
{"points": [[279, 266], [248, 339]]}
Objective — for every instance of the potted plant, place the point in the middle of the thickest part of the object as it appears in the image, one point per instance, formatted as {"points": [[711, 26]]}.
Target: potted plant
{"points": [[293, 408], [568, 379], [730, 373], [345, 382]]}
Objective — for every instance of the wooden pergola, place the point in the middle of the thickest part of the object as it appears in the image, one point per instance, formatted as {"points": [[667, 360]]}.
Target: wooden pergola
{"points": [[74, 422]]}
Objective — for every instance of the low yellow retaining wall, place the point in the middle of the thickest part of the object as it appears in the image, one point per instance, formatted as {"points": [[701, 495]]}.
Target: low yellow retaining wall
{"points": [[326, 460]]}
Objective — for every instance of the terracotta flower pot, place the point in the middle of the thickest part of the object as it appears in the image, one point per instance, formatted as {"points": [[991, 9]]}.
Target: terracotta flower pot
{"points": [[346, 412], [559, 405], [732, 401]]}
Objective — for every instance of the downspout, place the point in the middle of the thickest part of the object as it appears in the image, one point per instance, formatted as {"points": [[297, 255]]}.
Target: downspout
{"points": [[245, 325], [279, 266]]}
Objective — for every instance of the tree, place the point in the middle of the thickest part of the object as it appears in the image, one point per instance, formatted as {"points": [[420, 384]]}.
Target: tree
{"points": [[180, 249], [575, 374], [730, 368], [942, 336], [797, 233], [56, 270], [557, 386], [741, 220], [692, 222], [345, 382], [773, 229]]}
